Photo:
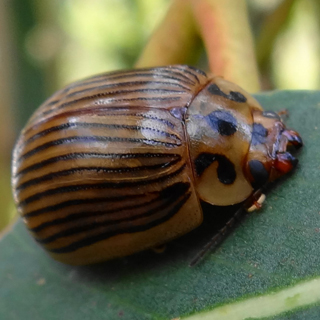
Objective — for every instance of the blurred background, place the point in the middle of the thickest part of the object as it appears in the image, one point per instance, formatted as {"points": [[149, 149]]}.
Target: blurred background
{"points": [[46, 44]]}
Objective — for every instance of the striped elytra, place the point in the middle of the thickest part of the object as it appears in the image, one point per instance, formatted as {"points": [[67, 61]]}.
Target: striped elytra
{"points": [[120, 162]]}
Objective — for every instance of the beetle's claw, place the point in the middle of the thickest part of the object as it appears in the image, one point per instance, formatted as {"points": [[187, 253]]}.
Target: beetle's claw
{"points": [[294, 138]]}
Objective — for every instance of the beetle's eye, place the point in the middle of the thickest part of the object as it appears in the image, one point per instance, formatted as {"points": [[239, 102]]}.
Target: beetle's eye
{"points": [[259, 173], [223, 122]]}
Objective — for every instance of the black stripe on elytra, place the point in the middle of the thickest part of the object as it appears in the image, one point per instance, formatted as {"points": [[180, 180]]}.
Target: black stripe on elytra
{"points": [[259, 134], [233, 95], [52, 102], [96, 155], [110, 100], [155, 73], [166, 198], [98, 186], [85, 139], [72, 125], [144, 75], [77, 202], [197, 70], [117, 111], [131, 229], [185, 70], [259, 173], [143, 115], [131, 84], [122, 92], [226, 171], [148, 99], [223, 122], [169, 92], [75, 216], [173, 71], [97, 170]]}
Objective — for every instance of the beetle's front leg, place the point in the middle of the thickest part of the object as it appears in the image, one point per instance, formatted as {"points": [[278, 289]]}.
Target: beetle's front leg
{"points": [[257, 204]]}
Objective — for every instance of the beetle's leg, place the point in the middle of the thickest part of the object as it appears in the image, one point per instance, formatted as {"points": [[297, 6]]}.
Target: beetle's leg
{"points": [[218, 237], [283, 113], [257, 204], [293, 137]]}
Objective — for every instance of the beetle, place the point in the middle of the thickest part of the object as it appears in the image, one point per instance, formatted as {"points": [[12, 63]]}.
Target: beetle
{"points": [[120, 162]]}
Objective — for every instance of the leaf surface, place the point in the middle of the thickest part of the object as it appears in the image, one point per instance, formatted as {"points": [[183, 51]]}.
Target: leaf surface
{"points": [[273, 254]]}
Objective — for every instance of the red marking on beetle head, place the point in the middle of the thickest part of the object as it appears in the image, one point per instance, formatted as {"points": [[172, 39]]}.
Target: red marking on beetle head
{"points": [[285, 162]]}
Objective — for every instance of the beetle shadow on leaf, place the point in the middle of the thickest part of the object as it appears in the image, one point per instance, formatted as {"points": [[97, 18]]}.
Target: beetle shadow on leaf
{"points": [[177, 252]]}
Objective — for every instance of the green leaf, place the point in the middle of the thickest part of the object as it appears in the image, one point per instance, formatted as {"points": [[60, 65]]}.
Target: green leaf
{"points": [[268, 267]]}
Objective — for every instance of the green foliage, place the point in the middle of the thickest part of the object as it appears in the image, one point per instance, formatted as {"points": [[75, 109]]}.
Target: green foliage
{"points": [[7, 209], [104, 35], [272, 251], [29, 84]]}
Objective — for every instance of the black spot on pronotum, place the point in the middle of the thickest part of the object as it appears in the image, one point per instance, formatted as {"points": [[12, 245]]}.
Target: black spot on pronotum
{"points": [[223, 122], [203, 161], [259, 173], [271, 115], [259, 134], [233, 95], [226, 172]]}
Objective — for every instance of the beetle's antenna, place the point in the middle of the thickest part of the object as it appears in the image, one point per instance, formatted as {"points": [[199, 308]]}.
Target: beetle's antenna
{"points": [[253, 203], [218, 237]]}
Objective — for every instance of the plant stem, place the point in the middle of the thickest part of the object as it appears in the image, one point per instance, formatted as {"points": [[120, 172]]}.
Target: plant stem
{"points": [[227, 36]]}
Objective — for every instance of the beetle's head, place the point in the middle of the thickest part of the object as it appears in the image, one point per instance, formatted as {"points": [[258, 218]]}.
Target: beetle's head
{"points": [[269, 157]]}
